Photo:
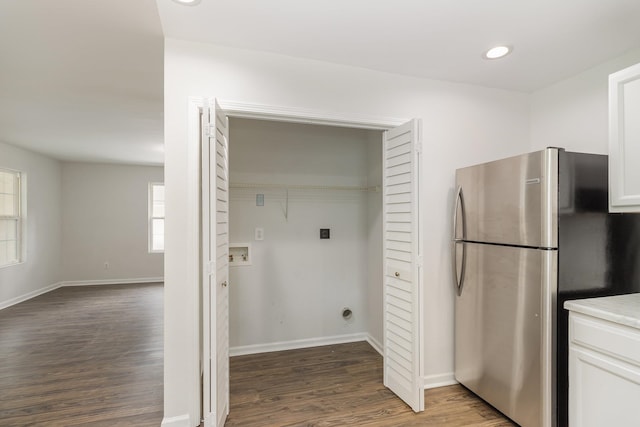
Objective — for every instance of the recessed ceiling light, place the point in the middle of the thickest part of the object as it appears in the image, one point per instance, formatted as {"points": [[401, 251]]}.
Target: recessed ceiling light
{"points": [[187, 2], [497, 52]]}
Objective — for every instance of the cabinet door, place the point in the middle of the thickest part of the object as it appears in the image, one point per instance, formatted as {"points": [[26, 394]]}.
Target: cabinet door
{"points": [[603, 391], [604, 374], [624, 140]]}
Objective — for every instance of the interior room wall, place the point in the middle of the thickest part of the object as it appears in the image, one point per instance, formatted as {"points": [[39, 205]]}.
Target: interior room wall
{"points": [[374, 239], [573, 113], [40, 271], [104, 220], [297, 285], [462, 125]]}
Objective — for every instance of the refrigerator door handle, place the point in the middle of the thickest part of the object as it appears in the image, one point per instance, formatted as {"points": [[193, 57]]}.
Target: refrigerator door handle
{"points": [[458, 282]]}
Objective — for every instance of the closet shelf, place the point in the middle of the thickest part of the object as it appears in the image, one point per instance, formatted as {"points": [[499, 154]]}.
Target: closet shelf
{"points": [[250, 185], [288, 187]]}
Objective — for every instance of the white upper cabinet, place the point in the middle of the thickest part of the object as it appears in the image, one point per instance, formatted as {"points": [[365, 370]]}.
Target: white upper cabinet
{"points": [[624, 140]]}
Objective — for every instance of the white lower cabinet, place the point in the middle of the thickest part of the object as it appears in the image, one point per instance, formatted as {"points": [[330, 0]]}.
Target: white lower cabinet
{"points": [[604, 373]]}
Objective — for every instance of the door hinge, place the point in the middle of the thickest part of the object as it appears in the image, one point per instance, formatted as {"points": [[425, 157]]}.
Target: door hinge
{"points": [[419, 261], [419, 147], [209, 130], [211, 267]]}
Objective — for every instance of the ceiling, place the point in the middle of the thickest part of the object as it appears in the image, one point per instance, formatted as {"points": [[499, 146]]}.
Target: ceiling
{"points": [[83, 79], [437, 39]]}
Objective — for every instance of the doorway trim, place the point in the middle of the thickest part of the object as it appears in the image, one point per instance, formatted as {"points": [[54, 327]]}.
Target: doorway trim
{"points": [[249, 111], [298, 115]]}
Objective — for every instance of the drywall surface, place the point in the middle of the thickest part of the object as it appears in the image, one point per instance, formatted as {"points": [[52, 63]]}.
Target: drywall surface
{"points": [[41, 268], [374, 238], [104, 220], [573, 114], [462, 125], [297, 284]]}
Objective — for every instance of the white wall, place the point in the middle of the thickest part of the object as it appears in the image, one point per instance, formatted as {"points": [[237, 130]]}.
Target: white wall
{"points": [[297, 284], [374, 239], [462, 125], [104, 219], [573, 113], [41, 268], [79, 215]]}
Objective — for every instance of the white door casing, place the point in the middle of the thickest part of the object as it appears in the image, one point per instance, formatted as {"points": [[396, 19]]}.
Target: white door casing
{"points": [[402, 258], [403, 359], [215, 252]]}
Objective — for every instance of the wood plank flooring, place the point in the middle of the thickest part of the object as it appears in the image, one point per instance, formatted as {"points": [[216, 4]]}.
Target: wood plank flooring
{"points": [[92, 356], [339, 385], [83, 356]]}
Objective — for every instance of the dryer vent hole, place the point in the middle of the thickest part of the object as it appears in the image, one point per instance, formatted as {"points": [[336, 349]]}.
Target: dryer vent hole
{"points": [[347, 313]]}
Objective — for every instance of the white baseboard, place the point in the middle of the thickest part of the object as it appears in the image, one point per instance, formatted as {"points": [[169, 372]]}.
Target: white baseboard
{"points": [[428, 381], [179, 421], [33, 294], [112, 281], [295, 344], [439, 380], [375, 344]]}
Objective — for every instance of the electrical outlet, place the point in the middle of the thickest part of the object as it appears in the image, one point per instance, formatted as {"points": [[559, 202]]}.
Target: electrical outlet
{"points": [[259, 233]]}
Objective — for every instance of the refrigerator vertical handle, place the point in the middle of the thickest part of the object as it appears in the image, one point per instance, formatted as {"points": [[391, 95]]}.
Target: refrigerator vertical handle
{"points": [[458, 281]]}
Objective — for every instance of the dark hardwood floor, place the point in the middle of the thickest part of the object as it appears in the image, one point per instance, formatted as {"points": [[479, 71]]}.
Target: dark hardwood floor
{"points": [[92, 356], [83, 356], [339, 385]]}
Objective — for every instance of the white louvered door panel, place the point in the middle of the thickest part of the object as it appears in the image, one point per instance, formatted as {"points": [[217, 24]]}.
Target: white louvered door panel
{"points": [[215, 200], [402, 265], [222, 264]]}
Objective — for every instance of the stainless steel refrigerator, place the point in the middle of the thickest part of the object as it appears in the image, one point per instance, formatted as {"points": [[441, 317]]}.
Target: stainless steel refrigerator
{"points": [[530, 232]]}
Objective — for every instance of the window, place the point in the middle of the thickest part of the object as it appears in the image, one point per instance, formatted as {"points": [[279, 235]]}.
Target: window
{"points": [[156, 217], [10, 217]]}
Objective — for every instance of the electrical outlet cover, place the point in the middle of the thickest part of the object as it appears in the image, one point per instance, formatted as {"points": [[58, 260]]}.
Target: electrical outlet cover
{"points": [[259, 234]]}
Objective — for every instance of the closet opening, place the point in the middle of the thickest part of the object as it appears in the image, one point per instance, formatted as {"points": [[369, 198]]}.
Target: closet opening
{"points": [[305, 236], [310, 236]]}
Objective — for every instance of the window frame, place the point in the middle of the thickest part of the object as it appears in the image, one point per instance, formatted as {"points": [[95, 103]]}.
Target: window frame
{"points": [[20, 195], [151, 218]]}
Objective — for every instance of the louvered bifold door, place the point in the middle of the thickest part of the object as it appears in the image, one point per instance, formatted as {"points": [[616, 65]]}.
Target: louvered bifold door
{"points": [[402, 264], [215, 199], [222, 264]]}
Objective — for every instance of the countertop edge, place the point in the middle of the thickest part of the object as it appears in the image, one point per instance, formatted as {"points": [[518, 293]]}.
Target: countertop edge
{"points": [[620, 309]]}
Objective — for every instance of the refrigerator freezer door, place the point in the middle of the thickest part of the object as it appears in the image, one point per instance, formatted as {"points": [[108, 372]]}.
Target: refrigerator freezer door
{"points": [[501, 331], [512, 201]]}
